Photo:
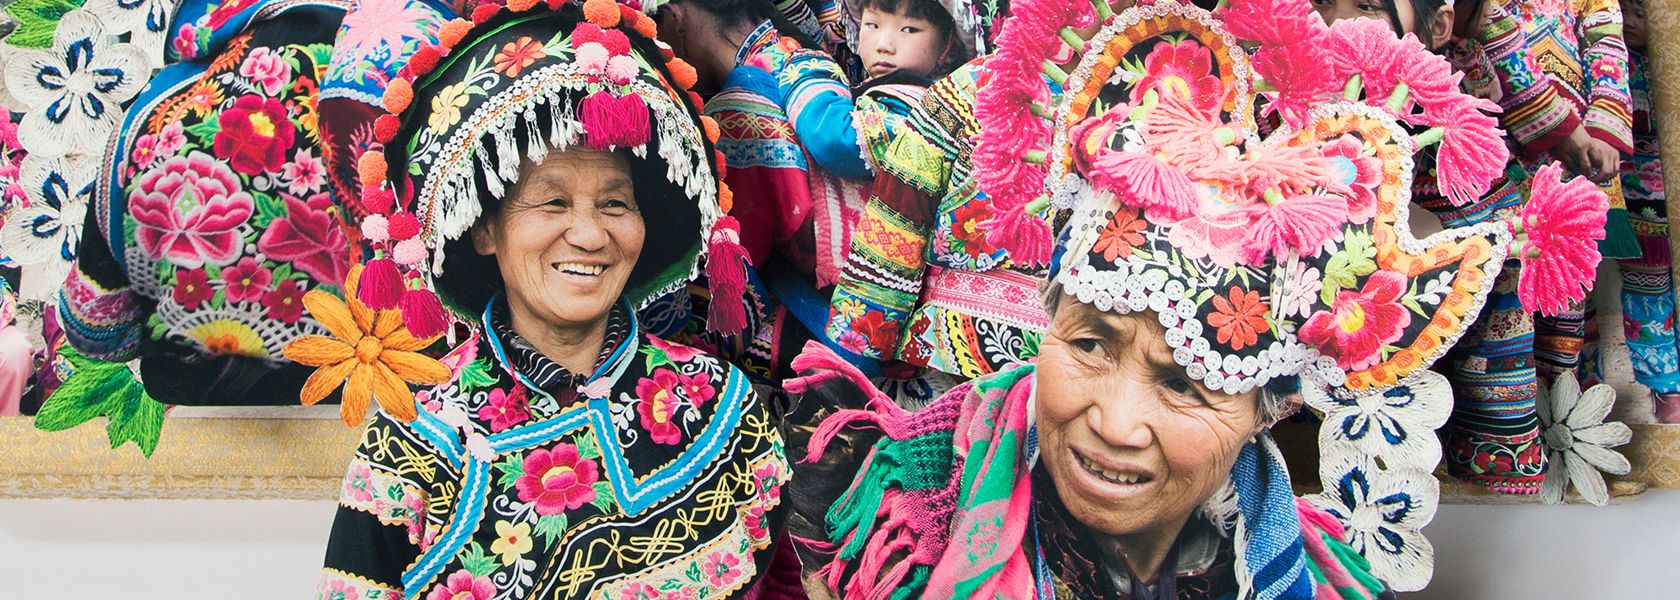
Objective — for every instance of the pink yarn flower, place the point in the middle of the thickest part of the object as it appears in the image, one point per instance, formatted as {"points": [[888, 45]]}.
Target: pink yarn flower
{"points": [[1472, 154], [1302, 222], [1358, 324], [1292, 56], [1144, 181], [1564, 222]]}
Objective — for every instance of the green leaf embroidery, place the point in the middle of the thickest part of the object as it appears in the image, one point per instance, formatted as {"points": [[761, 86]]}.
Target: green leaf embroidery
{"points": [[1356, 259], [206, 129], [655, 357], [283, 272], [511, 469], [269, 208], [99, 388], [603, 497], [551, 526], [476, 562], [477, 375], [37, 20], [586, 447]]}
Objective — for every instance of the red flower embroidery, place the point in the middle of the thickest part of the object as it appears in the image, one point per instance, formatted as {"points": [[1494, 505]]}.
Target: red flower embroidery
{"points": [[255, 135], [874, 328], [678, 353], [285, 302], [1120, 236], [557, 480], [246, 281], [1239, 317], [516, 55], [192, 288], [965, 226], [1358, 324], [310, 239], [1184, 69], [504, 410], [697, 388], [659, 404]]}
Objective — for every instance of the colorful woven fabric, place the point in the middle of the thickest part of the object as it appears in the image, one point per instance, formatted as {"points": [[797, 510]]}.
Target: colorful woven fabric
{"points": [[215, 217], [1579, 44], [926, 214], [1648, 306], [666, 479]]}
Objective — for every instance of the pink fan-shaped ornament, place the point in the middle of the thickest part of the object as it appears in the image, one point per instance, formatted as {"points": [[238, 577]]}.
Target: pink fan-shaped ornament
{"points": [[1144, 181], [1472, 153], [1563, 220], [1303, 222], [1367, 47]]}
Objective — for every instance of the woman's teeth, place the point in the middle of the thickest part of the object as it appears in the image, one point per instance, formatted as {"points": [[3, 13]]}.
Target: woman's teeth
{"points": [[580, 269], [1114, 476]]}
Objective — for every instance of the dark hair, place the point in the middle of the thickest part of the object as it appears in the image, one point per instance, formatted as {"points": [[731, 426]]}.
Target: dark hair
{"points": [[749, 13], [1422, 10], [933, 12]]}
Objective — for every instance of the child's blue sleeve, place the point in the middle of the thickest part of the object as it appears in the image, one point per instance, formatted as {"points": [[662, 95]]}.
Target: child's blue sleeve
{"points": [[819, 105]]}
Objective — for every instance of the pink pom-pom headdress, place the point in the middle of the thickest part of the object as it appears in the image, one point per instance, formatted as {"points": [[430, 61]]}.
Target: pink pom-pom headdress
{"points": [[1276, 257]]}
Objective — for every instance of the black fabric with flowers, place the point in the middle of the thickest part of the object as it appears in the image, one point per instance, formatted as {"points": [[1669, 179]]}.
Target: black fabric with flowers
{"points": [[544, 372]]}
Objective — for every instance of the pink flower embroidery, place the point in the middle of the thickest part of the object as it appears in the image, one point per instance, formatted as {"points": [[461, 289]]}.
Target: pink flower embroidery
{"points": [[1357, 325], [1355, 176], [285, 302], [719, 569], [192, 288], [340, 590], [769, 480], [504, 410], [1210, 233], [208, 232], [305, 174], [638, 591], [757, 527], [557, 480], [461, 585], [145, 152], [246, 281], [1184, 69], [172, 139], [658, 407], [383, 26], [359, 486], [267, 69], [255, 135], [697, 388], [310, 239], [676, 352]]}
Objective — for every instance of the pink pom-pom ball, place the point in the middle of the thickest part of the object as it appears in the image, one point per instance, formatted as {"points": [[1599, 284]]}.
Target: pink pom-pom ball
{"points": [[375, 228], [409, 252], [592, 57]]}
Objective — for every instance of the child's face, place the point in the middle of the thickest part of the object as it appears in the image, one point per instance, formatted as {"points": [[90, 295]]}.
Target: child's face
{"points": [[1633, 23], [891, 42], [1336, 10]]}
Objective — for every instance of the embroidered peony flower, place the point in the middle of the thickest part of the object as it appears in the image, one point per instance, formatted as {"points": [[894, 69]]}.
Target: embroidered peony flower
{"points": [[678, 353], [228, 338], [1239, 317], [854, 342], [192, 288], [517, 55], [1358, 324], [504, 410], [512, 541], [267, 69], [1579, 442], [1355, 176], [1606, 68], [285, 302], [310, 238], [216, 206], [47, 229], [697, 388], [74, 90], [305, 174], [246, 281], [369, 349], [446, 107], [359, 485], [659, 404], [1184, 69], [720, 570], [557, 480], [967, 226], [1122, 234], [255, 135], [462, 585]]}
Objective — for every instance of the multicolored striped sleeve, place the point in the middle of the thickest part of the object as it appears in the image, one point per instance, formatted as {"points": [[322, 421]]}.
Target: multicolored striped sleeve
{"points": [[381, 526], [1536, 115], [819, 103], [1609, 104], [102, 315]]}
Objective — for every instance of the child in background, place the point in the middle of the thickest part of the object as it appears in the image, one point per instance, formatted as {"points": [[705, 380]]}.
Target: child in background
{"points": [[1647, 282], [1493, 438]]}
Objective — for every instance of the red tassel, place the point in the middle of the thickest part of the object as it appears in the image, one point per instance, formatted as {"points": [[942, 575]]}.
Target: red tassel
{"points": [[726, 271], [385, 128], [1026, 236], [382, 285], [423, 314], [615, 121]]}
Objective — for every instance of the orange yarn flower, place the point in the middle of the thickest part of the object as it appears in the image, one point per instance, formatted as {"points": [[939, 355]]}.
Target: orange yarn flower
{"points": [[372, 350]]}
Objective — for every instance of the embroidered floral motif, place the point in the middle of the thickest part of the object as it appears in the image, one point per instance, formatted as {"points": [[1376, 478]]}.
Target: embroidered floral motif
{"points": [[255, 135], [557, 480], [74, 91], [658, 406], [208, 231], [1358, 324]]}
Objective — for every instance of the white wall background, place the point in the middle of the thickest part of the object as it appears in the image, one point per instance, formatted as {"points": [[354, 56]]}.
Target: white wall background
{"points": [[52, 549]]}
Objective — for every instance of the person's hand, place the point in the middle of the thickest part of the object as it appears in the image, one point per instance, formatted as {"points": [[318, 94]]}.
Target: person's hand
{"points": [[1605, 161], [1584, 155]]}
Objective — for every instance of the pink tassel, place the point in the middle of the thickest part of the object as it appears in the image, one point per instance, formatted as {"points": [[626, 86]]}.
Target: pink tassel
{"points": [[1026, 236], [1144, 181], [1185, 132], [1303, 222], [726, 271], [614, 121], [423, 314], [1473, 152], [1295, 169], [381, 285], [1564, 222], [1292, 56]]}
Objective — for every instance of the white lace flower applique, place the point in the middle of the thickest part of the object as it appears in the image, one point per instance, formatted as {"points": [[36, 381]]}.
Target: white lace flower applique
{"points": [[74, 90], [1579, 442]]}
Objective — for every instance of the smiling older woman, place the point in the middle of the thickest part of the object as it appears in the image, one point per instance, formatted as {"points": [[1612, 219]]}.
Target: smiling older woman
{"points": [[560, 180], [1202, 275]]}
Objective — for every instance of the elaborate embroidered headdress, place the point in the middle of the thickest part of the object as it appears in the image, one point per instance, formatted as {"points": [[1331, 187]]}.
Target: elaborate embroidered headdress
{"points": [[1284, 256], [512, 84]]}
